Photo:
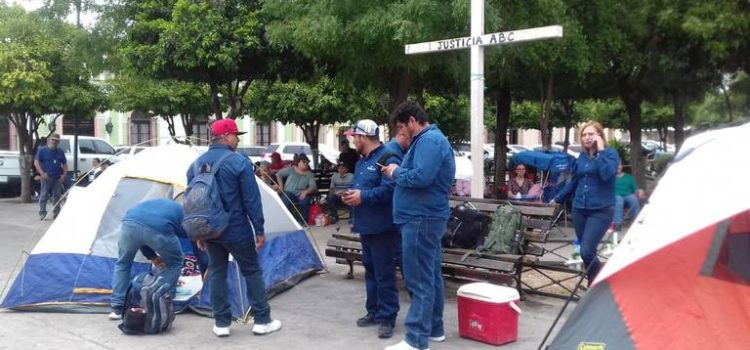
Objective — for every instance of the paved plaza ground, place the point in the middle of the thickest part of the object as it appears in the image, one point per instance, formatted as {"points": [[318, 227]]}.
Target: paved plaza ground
{"points": [[319, 313]]}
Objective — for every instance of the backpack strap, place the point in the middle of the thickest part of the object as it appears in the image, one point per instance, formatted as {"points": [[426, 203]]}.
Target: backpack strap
{"points": [[218, 163], [198, 168]]}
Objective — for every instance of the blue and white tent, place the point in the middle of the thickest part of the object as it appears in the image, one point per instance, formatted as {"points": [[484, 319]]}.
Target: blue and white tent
{"points": [[70, 269]]}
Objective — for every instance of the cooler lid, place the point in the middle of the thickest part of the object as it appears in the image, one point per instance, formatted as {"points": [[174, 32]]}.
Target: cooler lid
{"points": [[488, 292]]}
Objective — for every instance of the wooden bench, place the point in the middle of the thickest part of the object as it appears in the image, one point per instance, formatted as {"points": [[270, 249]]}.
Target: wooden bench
{"points": [[347, 249], [323, 184], [542, 259], [540, 220]]}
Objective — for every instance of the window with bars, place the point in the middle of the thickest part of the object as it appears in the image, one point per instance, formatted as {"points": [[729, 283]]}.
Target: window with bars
{"points": [[200, 133], [263, 134], [140, 131]]}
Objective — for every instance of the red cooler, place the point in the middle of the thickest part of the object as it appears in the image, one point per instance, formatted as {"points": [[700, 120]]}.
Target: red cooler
{"points": [[488, 313]]}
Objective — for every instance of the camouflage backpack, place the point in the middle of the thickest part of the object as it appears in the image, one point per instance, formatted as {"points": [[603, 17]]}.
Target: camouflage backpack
{"points": [[505, 235]]}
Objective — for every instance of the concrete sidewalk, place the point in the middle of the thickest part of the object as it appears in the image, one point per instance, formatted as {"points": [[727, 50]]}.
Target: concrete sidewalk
{"points": [[319, 313]]}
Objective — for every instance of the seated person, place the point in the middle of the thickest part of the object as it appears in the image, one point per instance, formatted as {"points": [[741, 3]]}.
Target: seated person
{"points": [[263, 172], [276, 163], [626, 194], [298, 184], [519, 185], [340, 182]]}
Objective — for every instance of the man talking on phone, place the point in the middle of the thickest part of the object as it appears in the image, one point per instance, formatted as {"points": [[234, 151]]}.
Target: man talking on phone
{"points": [[371, 199]]}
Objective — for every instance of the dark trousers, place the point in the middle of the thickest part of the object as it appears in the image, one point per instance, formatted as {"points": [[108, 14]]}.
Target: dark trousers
{"points": [[590, 226], [244, 254], [379, 258]]}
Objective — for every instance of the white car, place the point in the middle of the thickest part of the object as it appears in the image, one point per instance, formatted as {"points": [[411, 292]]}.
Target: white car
{"points": [[88, 149], [287, 150], [254, 153], [10, 173], [573, 150], [125, 152]]}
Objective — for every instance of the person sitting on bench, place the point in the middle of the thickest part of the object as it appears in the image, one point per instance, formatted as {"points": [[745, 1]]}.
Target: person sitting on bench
{"points": [[340, 183]]}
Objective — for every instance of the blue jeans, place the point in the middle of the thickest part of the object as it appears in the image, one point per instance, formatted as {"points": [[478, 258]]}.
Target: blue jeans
{"points": [[421, 258], [379, 258], [590, 226], [304, 204], [334, 202], [133, 236], [247, 260], [631, 201], [50, 189]]}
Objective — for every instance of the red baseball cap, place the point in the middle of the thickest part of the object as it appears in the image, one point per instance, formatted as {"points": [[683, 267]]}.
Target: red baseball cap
{"points": [[225, 126]]}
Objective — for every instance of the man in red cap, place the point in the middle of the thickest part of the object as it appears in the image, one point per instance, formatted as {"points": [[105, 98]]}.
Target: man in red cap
{"points": [[240, 195]]}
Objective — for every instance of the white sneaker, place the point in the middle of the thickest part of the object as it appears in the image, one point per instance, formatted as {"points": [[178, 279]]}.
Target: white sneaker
{"points": [[115, 316], [403, 345], [221, 331], [439, 339], [270, 327]]}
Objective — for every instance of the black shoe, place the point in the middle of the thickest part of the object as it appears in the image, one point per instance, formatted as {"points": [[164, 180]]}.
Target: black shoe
{"points": [[385, 330], [366, 321], [42, 216]]}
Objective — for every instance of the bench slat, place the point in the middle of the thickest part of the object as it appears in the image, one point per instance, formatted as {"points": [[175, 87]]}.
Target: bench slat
{"points": [[492, 265], [344, 244]]}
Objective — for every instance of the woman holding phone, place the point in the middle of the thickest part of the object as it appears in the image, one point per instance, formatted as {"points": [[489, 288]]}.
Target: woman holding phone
{"points": [[593, 186]]}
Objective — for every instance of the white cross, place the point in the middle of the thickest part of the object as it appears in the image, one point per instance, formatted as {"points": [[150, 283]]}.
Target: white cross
{"points": [[476, 42]]}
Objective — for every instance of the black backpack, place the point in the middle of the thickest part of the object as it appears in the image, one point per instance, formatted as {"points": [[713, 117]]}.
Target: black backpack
{"points": [[148, 305], [467, 227]]}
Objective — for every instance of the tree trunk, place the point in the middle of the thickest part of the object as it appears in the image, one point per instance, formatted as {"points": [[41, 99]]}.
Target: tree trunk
{"points": [[568, 107], [215, 100], [544, 124], [20, 121], [187, 124], [502, 120], [311, 137], [728, 104], [398, 89], [679, 100], [632, 100]]}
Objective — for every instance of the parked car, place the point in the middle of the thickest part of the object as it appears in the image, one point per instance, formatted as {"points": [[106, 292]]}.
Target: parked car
{"points": [[573, 150], [287, 150], [254, 153], [88, 149], [123, 152], [10, 173]]}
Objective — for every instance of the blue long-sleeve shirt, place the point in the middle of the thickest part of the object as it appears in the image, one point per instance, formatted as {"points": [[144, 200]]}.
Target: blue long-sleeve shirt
{"points": [[375, 214], [161, 215], [394, 147], [592, 180], [239, 193], [424, 179]]}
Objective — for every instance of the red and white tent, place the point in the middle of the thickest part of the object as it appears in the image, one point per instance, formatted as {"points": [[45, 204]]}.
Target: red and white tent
{"points": [[681, 278]]}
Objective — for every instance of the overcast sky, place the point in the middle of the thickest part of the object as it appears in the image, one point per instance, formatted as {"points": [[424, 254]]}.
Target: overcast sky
{"points": [[87, 18]]}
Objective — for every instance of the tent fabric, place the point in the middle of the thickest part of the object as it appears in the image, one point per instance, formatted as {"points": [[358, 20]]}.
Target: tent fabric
{"points": [[605, 328], [73, 262], [679, 278], [554, 162]]}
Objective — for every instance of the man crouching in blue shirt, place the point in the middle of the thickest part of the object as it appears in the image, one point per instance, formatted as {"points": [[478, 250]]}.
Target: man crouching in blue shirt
{"points": [[153, 227], [420, 209], [371, 199]]}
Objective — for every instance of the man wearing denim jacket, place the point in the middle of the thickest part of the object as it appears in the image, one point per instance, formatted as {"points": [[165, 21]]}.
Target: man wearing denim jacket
{"points": [[242, 238], [421, 209], [371, 199]]}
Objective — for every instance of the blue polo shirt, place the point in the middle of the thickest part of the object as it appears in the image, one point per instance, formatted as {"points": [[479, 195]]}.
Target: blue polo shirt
{"points": [[592, 180], [424, 179], [238, 191], [375, 214], [51, 160]]}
